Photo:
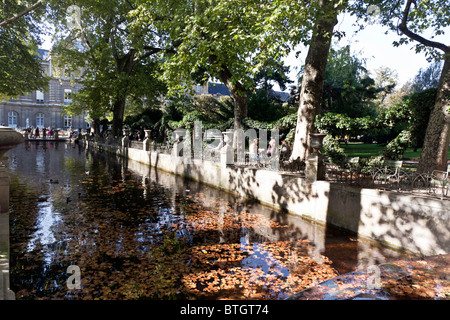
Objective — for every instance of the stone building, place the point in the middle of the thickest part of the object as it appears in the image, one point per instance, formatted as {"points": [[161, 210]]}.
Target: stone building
{"points": [[43, 109]]}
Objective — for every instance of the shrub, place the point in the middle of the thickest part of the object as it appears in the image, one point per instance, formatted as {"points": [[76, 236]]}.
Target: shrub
{"points": [[397, 147], [334, 152]]}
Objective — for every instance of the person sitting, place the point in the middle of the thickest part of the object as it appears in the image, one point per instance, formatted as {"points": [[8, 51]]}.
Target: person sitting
{"points": [[285, 151], [272, 148], [253, 152]]}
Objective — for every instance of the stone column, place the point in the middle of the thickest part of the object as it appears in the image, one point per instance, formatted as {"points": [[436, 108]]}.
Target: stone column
{"points": [[8, 139], [125, 140], [315, 168], [147, 142], [315, 163], [4, 186], [5, 292], [227, 152]]}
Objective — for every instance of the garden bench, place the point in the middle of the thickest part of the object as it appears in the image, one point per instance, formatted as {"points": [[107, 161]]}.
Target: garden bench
{"points": [[436, 180], [392, 173], [351, 168], [440, 180]]}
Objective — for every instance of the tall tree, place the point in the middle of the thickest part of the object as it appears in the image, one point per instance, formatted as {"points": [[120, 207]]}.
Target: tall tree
{"points": [[20, 67], [311, 92], [435, 150], [427, 78], [229, 40], [413, 18], [118, 54], [348, 88], [217, 38]]}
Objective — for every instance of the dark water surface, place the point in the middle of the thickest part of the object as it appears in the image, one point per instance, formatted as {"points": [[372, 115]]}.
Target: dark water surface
{"points": [[132, 232]]}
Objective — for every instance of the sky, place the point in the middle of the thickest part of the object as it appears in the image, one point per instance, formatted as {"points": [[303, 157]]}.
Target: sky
{"points": [[376, 47]]}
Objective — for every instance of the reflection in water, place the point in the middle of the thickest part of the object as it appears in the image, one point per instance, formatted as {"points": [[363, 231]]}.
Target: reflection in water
{"points": [[48, 218], [138, 233]]}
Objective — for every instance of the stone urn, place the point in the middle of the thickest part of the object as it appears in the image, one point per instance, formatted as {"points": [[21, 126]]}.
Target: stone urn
{"points": [[317, 141], [9, 138]]}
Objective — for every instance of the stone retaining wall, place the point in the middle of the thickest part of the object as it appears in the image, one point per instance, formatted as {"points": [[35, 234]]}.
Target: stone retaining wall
{"points": [[417, 224]]}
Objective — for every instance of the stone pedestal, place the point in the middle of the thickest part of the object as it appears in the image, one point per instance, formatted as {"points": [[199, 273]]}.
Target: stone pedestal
{"points": [[4, 186], [315, 167], [226, 155], [227, 151], [125, 139], [8, 139], [5, 292], [146, 144]]}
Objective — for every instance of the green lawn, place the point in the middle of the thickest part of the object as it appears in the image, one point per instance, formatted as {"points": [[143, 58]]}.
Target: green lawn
{"points": [[368, 150]]}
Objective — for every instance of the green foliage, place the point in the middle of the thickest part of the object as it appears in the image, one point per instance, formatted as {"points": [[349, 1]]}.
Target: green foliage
{"points": [[264, 107], [241, 38], [20, 69], [413, 112], [420, 105], [333, 151], [341, 124], [427, 78], [427, 16], [115, 56], [347, 88], [397, 147], [272, 71]]}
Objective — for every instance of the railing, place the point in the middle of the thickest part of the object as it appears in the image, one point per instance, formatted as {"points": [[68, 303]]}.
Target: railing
{"points": [[391, 175]]}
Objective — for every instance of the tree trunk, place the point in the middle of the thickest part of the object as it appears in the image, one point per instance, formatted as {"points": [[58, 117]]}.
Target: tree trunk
{"points": [[118, 113], [239, 95], [437, 138], [313, 78], [240, 108], [96, 126]]}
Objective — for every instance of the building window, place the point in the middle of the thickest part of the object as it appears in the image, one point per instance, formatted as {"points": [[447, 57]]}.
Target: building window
{"points": [[67, 95], [40, 120], [67, 121], [39, 96], [12, 119]]}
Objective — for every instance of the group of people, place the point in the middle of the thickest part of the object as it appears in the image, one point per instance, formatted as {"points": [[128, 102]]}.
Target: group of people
{"points": [[256, 154], [135, 136], [36, 133]]}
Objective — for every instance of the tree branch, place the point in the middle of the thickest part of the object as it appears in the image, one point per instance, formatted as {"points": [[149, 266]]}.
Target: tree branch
{"points": [[21, 14], [403, 28]]}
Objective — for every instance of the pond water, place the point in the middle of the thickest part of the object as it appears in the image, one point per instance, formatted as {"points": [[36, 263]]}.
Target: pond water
{"points": [[133, 232]]}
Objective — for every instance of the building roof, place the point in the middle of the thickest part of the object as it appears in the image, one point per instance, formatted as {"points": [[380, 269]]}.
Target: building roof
{"points": [[42, 54], [218, 89], [281, 95]]}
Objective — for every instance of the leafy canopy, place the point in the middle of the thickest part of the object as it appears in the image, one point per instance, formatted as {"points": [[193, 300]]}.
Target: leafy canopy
{"points": [[20, 67], [117, 56]]}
